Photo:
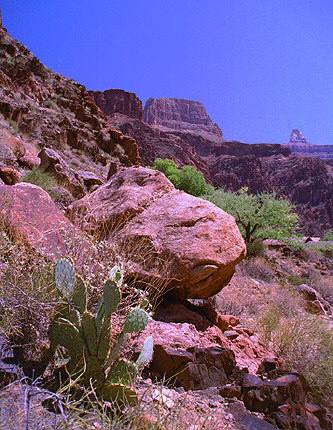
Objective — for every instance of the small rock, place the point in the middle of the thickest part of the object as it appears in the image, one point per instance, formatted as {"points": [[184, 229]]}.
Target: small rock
{"points": [[231, 334]]}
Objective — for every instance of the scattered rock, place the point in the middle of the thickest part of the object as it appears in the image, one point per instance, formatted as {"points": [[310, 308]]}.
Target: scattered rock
{"points": [[52, 162], [315, 303], [9, 176], [89, 179]]}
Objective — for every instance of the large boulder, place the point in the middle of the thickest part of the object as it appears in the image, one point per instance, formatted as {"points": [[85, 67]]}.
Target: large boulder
{"points": [[157, 226], [31, 214]]}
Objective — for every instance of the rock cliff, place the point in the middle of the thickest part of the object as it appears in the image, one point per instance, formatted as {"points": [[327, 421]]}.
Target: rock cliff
{"points": [[118, 101], [299, 145], [183, 131], [179, 114]]}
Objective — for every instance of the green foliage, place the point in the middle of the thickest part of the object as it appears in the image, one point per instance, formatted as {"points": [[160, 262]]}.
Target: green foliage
{"points": [[42, 179], [258, 216], [86, 337], [13, 125], [186, 178], [329, 236]]}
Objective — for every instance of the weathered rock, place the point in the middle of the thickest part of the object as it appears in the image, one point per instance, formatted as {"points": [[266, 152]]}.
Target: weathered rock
{"points": [[138, 206], [315, 303], [154, 143], [7, 157], [181, 351], [299, 145], [118, 101], [174, 113], [268, 395], [9, 176], [31, 214], [174, 311], [89, 179], [52, 162]]}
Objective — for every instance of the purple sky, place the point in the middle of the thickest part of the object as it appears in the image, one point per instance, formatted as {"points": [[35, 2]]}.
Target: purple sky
{"points": [[261, 67]]}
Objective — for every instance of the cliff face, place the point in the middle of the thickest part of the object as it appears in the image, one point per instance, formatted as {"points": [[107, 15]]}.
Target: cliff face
{"points": [[299, 145], [179, 114], [42, 108], [118, 101]]}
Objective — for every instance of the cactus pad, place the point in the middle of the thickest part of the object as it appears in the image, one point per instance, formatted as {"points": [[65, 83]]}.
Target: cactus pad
{"points": [[122, 371], [65, 277], [146, 353], [119, 393], [136, 321], [79, 297]]}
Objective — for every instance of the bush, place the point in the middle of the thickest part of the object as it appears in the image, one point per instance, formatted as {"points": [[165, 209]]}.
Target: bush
{"points": [[186, 178], [257, 268], [260, 216], [306, 344], [42, 179]]}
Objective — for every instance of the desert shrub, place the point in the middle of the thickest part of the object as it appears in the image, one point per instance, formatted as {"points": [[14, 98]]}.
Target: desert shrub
{"points": [[329, 236], [257, 268], [306, 344], [269, 321], [297, 279], [255, 248], [13, 125], [261, 216], [50, 104], [186, 178], [39, 177]]}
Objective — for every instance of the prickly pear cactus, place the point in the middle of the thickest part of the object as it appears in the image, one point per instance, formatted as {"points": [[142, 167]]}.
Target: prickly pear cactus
{"points": [[86, 337], [65, 277], [146, 353]]}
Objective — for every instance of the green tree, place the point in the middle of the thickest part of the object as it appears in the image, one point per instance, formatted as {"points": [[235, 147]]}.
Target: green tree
{"points": [[258, 216], [186, 178]]}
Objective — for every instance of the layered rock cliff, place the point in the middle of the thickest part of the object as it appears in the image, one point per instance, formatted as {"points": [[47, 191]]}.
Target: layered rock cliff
{"points": [[179, 114], [299, 145], [118, 101]]}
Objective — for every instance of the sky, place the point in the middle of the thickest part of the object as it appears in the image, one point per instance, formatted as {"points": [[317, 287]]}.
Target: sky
{"points": [[261, 67]]}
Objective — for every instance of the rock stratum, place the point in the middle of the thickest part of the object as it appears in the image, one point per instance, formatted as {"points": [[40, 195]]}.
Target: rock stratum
{"points": [[180, 114], [299, 145]]}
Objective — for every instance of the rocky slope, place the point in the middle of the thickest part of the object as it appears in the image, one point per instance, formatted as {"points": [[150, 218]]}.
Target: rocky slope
{"points": [[52, 121], [299, 145], [40, 108]]}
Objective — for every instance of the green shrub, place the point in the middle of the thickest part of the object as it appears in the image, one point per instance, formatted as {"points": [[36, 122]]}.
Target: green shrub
{"points": [[297, 280], [269, 321], [39, 177], [186, 178], [13, 125], [260, 216]]}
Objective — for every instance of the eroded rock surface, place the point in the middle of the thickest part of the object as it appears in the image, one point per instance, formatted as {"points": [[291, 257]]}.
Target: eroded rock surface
{"points": [[118, 101], [30, 213], [175, 114], [200, 243]]}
